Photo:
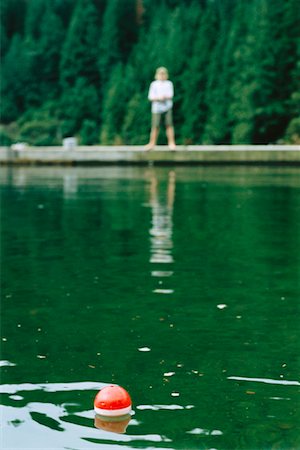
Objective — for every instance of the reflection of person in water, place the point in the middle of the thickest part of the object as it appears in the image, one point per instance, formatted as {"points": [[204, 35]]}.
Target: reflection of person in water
{"points": [[162, 222], [112, 424]]}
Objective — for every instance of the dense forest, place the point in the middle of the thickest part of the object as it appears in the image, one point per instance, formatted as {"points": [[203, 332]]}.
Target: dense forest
{"points": [[83, 68]]}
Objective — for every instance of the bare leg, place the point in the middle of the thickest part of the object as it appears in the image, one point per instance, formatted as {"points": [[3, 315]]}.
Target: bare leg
{"points": [[171, 137], [153, 138]]}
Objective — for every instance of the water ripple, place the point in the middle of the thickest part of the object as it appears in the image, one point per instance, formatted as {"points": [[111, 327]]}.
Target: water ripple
{"points": [[51, 387], [266, 380]]}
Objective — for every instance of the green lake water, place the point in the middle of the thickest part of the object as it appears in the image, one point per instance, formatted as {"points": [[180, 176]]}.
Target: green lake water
{"points": [[180, 284]]}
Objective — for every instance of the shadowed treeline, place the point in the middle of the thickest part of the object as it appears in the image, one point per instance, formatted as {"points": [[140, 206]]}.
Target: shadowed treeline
{"points": [[83, 67]]}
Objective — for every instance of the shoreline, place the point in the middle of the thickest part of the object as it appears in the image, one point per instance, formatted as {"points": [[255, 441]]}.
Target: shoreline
{"points": [[114, 155]]}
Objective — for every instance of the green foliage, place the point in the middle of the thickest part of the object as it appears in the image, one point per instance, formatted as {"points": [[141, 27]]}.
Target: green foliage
{"points": [[292, 135], [12, 13], [49, 47], [89, 132], [136, 124], [243, 87], [34, 14], [276, 59], [220, 73], [9, 134], [114, 108], [118, 35], [79, 103], [5, 139], [234, 66], [80, 48], [14, 77], [39, 133], [40, 126], [194, 105]]}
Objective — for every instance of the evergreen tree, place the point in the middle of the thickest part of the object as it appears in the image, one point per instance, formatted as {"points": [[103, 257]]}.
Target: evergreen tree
{"points": [[136, 120], [49, 47], [136, 123], [179, 52], [219, 72], [20, 81], [14, 81], [79, 73], [33, 86], [151, 50], [126, 93], [64, 9], [292, 16], [118, 35], [114, 108], [245, 76], [279, 56], [79, 103], [148, 54], [80, 49], [89, 132], [12, 13], [194, 78], [34, 14]]}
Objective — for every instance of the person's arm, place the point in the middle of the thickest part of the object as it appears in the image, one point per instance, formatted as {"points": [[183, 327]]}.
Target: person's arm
{"points": [[169, 94], [152, 93]]}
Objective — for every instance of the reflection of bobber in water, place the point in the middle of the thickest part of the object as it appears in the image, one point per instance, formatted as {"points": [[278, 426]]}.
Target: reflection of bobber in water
{"points": [[112, 406], [112, 424]]}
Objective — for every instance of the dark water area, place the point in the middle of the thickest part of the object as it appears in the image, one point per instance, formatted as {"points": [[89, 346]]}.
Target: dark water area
{"points": [[180, 284]]}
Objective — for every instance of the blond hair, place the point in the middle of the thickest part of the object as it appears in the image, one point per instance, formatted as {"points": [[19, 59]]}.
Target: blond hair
{"points": [[160, 70]]}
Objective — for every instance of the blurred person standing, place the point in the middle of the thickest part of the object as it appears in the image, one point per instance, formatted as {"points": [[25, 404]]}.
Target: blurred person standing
{"points": [[161, 94]]}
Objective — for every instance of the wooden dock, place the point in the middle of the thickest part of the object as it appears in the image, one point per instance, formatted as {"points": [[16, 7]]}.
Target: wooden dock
{"points": [[193, 154]]}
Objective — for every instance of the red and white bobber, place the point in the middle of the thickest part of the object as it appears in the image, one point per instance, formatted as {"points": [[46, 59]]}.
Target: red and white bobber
{"points": [[112, 401]]}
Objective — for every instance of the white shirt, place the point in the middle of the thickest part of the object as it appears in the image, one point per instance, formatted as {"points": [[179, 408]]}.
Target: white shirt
{"points": [[158, 89]]}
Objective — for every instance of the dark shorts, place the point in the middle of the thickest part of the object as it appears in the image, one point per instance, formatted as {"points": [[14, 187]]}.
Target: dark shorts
{"points": [[156, 119]]}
